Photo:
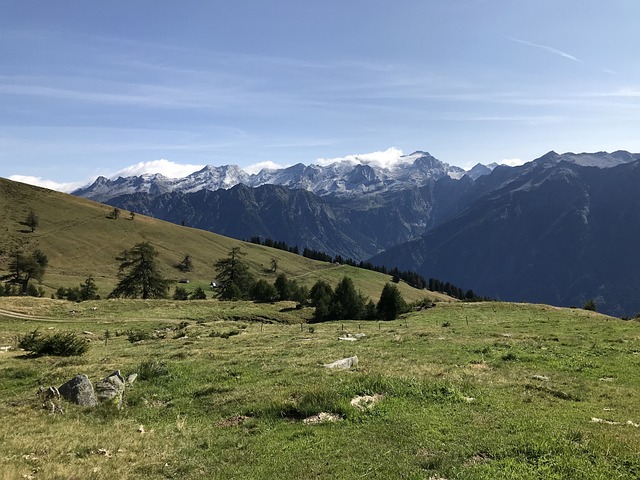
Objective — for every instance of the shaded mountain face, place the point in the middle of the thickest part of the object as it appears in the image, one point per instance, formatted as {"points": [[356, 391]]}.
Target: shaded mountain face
{"points": [[352, 226], [552, 231]]}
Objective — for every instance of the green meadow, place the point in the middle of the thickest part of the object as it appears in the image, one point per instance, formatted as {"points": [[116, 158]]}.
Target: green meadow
{"points": [[473, 391]]}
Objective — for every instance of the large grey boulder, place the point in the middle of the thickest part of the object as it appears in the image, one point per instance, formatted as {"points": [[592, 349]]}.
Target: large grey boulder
{"points": [[79, 390], [111, 389]]}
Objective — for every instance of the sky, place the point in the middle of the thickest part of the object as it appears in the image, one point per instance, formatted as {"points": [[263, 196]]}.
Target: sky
{"points": [[120, 87]]}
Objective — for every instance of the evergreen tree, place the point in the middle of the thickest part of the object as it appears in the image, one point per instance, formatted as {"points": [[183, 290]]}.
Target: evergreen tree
{"points": [[139, 274], [263, 292], [89, 290], [234, 271], [186, 265], [180, 293], [347, 302], [32, 221], [321, 295], [391, 303], [198, 294], [25, 268]]}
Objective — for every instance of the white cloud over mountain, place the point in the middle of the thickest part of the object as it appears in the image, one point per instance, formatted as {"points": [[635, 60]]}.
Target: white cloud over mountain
{"points": [[164, 167], [383, 159], [50, 184]]}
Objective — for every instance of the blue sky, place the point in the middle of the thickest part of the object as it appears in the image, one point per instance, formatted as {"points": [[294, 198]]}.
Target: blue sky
{"points": [[101, 88]]}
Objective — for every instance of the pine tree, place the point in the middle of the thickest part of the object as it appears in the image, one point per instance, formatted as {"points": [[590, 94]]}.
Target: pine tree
{"points": [[25, 268], [233, 271], [32, 221], [391, 303], [140, 275]]}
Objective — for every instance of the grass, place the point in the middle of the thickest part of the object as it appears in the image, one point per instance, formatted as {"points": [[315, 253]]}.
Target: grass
{"points": [[80, 240], [503, 391]]}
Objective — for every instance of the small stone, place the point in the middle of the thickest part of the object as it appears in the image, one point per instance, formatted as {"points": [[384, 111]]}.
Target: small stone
{"points": [[540, 377], [132, 378], [141, 429]]}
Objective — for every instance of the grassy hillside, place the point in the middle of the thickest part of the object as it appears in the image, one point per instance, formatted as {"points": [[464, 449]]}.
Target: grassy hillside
{"points": [[473, 391], [80, 239]]}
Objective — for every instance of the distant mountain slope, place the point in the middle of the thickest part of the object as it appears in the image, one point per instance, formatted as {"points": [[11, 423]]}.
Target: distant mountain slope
{"points": [[80, 239], [551, 231], [353, 226]]}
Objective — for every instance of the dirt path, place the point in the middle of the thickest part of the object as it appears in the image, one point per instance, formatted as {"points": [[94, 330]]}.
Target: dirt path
{"points": [[22, 316]]}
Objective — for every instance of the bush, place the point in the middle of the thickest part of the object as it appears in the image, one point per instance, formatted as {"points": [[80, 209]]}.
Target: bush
{"points": [[137, 335], [198, 294], [590, 305], [180, 294], [58, 344]]}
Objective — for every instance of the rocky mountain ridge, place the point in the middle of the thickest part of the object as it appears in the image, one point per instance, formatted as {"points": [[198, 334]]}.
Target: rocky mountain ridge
{"points": [[339, 178]]}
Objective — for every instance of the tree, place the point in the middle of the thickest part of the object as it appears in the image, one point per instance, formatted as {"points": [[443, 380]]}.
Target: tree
{"points": [[263, 292], [186, 265], [321, 296], [391, 303], [347, 302], [274, 265], [198, 294], [89, 290], [233, 270], [590, 305], [25, 268], [180, 294], [115, 213], [140, 275], [32, 221]]}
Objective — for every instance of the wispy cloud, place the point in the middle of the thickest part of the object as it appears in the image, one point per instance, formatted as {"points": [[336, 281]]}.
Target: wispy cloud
{"points": [[50, 184], [555, 51], [384, 159], [256, 167], [164, 167]]}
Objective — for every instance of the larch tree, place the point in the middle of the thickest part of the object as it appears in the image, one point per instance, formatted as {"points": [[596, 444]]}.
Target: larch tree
{"points": [[140, 275]]}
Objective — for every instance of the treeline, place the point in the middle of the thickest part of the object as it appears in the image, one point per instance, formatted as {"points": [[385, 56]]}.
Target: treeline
{"points": [[410, 277], [269, 242]]}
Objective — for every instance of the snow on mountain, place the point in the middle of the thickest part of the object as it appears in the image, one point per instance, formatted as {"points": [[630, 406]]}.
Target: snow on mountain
{"points": [[351, 175]]}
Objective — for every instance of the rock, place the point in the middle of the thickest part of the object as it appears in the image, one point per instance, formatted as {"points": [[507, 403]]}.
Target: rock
{"points": [[348, 339], [111, 389], [359, 335], [5, 349], [365, 402], [79, 390], [322, 417], [344, 363], [132, 378], [48, 393], [540, 377]]}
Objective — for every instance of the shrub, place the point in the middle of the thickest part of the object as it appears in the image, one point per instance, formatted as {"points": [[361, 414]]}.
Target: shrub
{"points": [[137, 335], [198, 294], [58, 344], [590, 305], [180, 294]]}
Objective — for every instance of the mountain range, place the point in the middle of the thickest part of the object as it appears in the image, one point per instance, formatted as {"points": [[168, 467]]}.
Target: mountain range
{"points": [[558, 230]]}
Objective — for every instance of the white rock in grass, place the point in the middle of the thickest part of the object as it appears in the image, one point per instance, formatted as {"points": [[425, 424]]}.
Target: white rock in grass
{"points": [[344, 363], [322, 417]]}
